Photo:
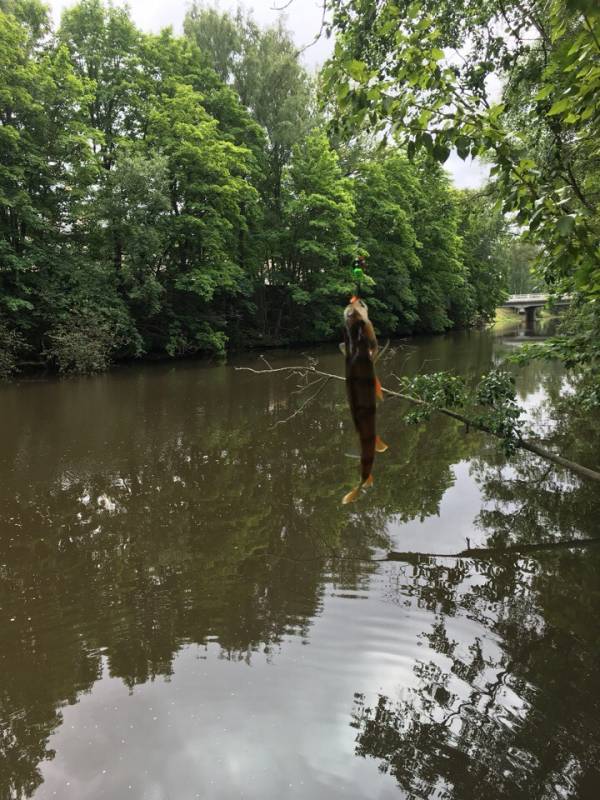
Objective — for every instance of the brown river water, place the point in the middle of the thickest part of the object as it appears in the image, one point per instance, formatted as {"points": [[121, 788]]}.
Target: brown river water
{"points": [[187, 611]]}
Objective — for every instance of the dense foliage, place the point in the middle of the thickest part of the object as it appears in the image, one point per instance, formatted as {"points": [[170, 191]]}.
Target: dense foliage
{"points": [[517, 82], [164, 195]]}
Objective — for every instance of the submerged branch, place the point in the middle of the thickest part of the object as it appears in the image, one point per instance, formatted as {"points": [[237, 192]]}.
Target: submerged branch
{"points": [[523, 444], [414, 556], [491, 552]]}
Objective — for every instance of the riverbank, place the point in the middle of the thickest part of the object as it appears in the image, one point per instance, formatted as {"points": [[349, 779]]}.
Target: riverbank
{"points": [[39, 368], [505, 318]]}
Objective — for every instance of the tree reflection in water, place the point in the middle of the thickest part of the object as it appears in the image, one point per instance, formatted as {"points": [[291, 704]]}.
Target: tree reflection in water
{"points": [[514, 712], [121, 542]]}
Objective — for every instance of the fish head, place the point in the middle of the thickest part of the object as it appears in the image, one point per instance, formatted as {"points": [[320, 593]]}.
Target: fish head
{"points": [[356, 313], [358, 327]]}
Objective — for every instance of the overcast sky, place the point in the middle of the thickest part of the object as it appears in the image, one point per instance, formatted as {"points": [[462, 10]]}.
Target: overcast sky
{"points": [[303, 18]]}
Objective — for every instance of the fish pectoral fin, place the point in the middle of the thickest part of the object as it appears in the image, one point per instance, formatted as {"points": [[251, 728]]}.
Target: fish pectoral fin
{"points": [[378, 389], [380, 445], [351, 496], [342, 347], [369, 481]]}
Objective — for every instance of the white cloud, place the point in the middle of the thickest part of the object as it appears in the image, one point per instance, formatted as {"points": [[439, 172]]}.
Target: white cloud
{"points": [[469, 174]]}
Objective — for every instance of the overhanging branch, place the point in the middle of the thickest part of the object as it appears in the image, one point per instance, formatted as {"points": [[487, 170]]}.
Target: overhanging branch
{"points": [[523, 444]]}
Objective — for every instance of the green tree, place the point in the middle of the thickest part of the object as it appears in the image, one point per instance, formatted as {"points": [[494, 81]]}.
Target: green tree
{"points": [[263, 68], [483, 232], [31, 14], [422, 70], [208, 190], [170, 62], [219, 37], [272, 83], [104, 45], [132, 207], [441, 288], [384, 187], [518, 259], [47, 171], [319, 241]]}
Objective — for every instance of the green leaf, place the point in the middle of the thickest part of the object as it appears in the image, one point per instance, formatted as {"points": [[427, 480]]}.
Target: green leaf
{"points": [[496, 111], [565, 225], [18, 304], [589, 112], [427, 141], [357, 70], [545, 92], [462, 147], [342, 91], [413, 10], [441, 152], [424, 118], [559, 106]]}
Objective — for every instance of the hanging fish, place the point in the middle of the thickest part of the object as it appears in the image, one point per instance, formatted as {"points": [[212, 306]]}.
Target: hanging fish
{"points": [[362, 387]]}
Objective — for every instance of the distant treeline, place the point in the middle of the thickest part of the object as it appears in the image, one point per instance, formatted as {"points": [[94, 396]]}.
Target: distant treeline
{"points": [[164, 195]]}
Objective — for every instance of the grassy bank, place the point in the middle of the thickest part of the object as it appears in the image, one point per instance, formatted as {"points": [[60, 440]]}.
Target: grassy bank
{"points": [[505, 318]]}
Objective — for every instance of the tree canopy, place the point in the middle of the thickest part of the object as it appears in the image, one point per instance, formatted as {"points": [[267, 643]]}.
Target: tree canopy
{"points": [[515, 82], [166, 195]]}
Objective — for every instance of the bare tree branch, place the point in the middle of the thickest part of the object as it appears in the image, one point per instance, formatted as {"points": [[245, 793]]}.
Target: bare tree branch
{"points": [[262, 358], [319, 34], [306, 403]]}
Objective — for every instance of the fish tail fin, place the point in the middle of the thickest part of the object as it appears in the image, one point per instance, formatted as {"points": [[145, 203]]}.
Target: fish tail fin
{"points": [[380, 445], [378, 389], [351, 496]]}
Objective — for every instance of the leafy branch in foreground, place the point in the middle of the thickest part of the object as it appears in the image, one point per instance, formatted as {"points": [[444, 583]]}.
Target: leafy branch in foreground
{"points": [[421, 70], [491, 406], [503, 424], [516, 82]]}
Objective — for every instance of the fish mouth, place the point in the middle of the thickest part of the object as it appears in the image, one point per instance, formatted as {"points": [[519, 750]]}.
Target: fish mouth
{"points": [[355, 312]]}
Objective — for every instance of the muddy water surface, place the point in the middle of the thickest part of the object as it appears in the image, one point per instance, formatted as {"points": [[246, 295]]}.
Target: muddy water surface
{"points": [[186, 611]]}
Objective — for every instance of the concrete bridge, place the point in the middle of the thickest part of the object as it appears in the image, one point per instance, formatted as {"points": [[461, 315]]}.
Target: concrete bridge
{"points": [[527, 304]]}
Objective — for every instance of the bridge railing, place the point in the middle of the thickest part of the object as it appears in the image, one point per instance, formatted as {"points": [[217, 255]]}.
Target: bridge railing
{"points": [[525, 298], [535, 299]]}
